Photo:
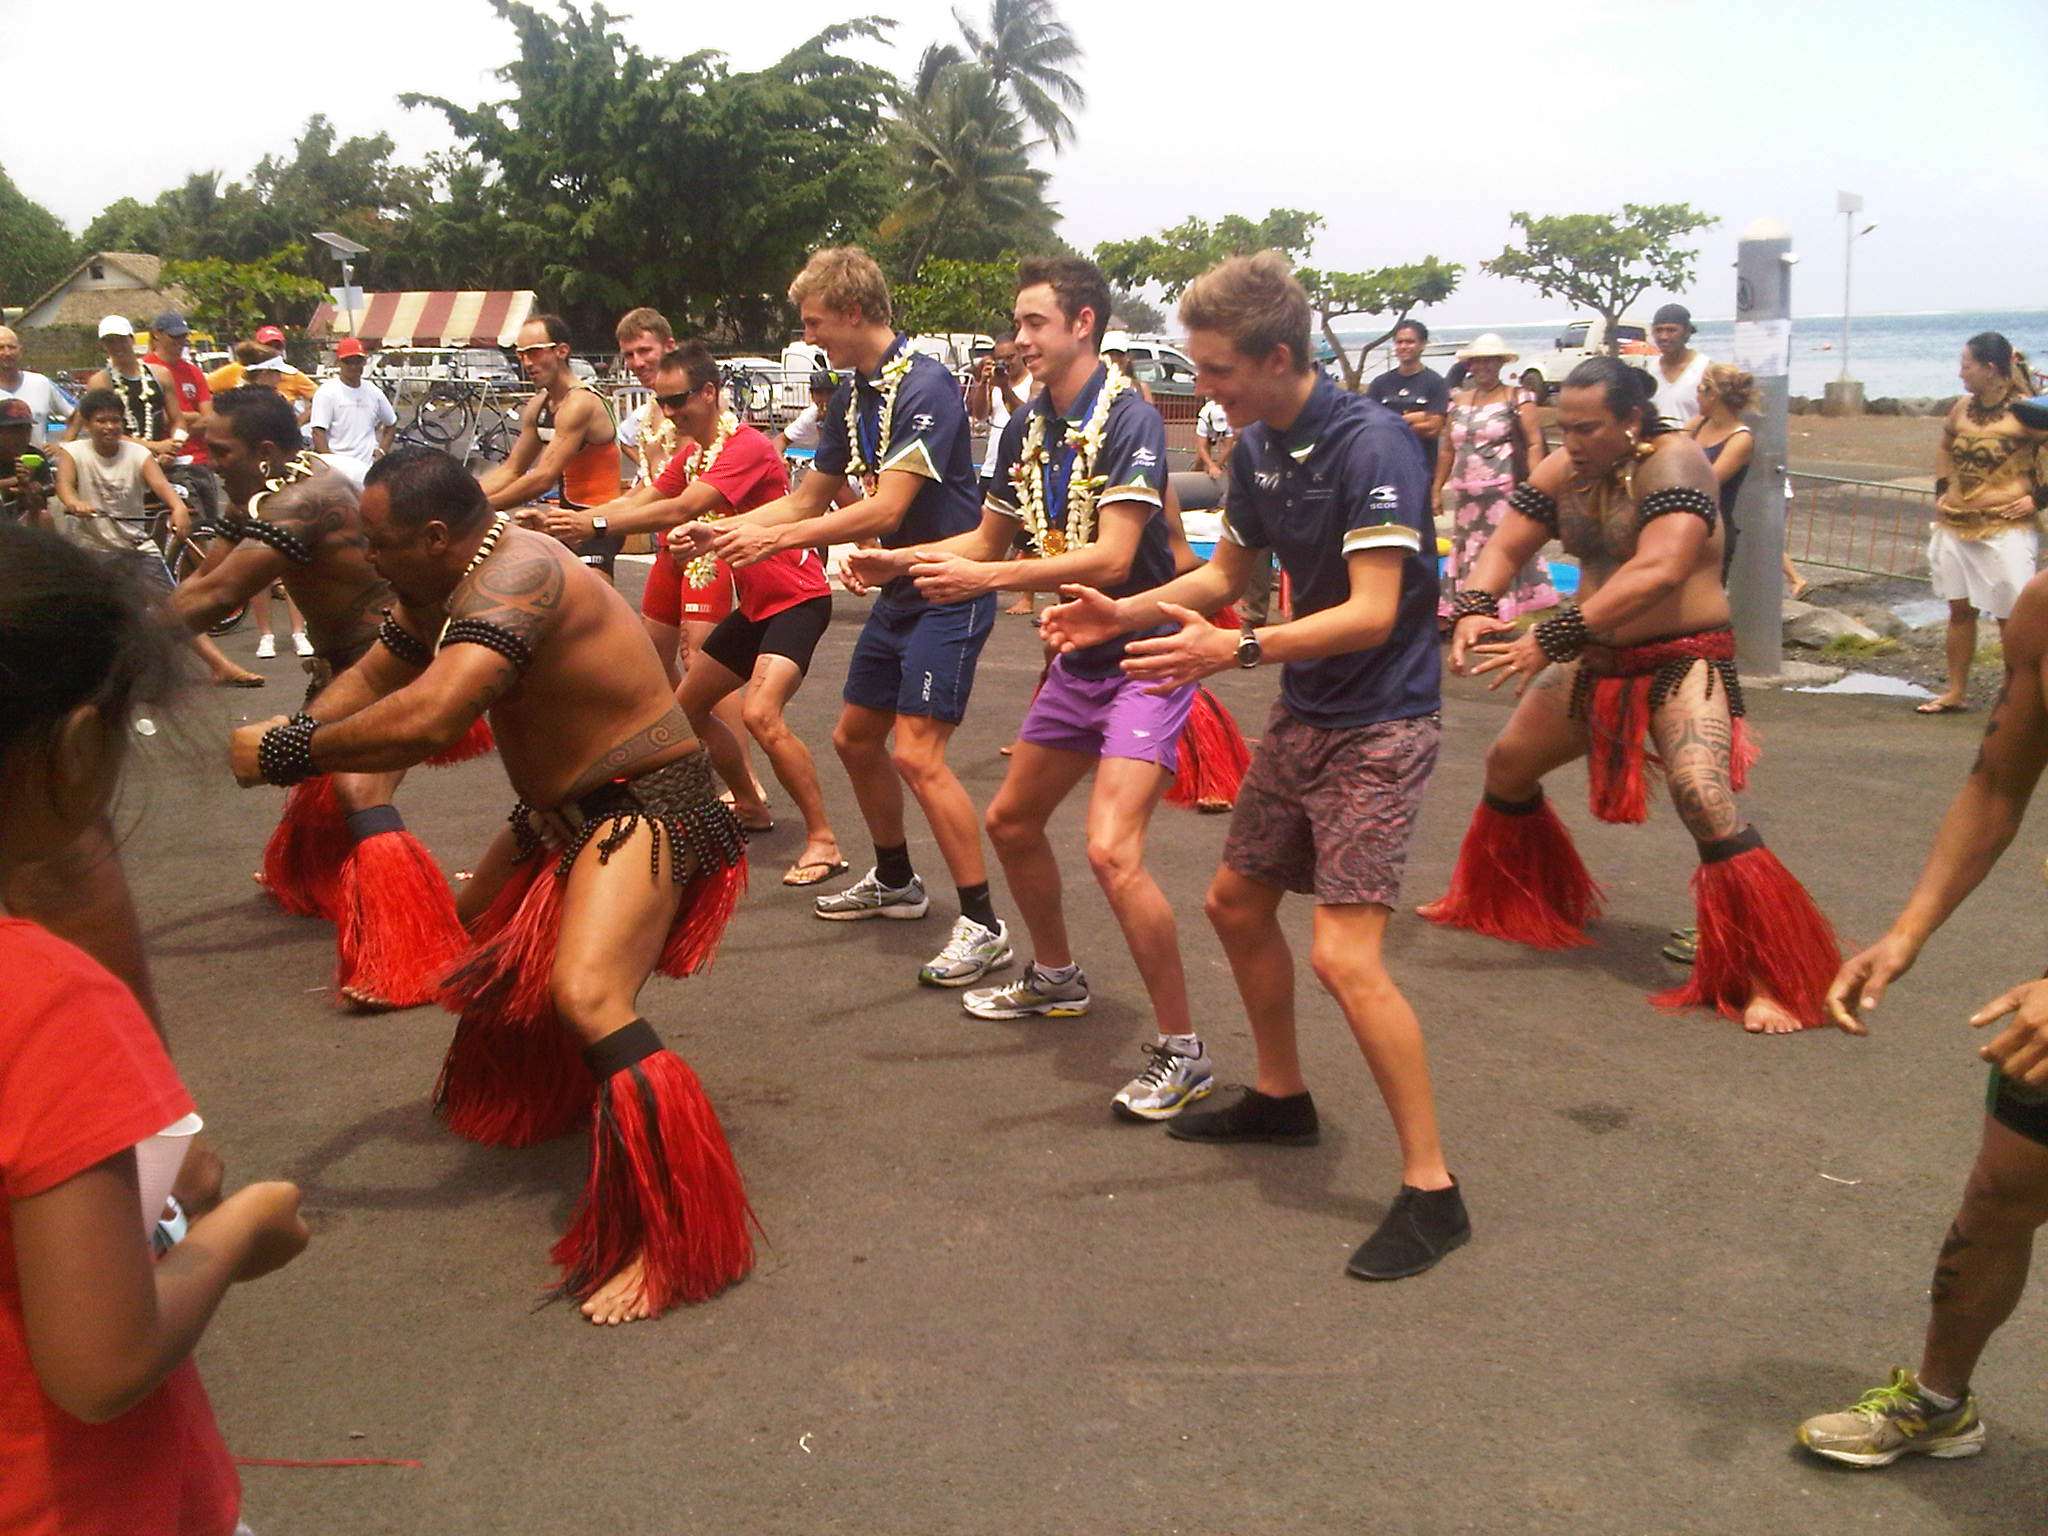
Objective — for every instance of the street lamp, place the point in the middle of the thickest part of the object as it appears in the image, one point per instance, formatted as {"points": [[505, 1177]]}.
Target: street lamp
{"points": [[345, 251], [1845, 396]]}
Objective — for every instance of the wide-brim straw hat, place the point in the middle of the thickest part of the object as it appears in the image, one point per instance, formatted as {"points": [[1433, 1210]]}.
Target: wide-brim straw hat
{"points": [[1487, 345]]}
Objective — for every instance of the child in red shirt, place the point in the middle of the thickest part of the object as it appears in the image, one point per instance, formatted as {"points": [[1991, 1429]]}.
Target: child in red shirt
{"points": [[104, 1427]]}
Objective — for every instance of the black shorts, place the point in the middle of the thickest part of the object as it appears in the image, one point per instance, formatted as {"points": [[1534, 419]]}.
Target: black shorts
{"points": [[2020, 1109], [738, 641]]}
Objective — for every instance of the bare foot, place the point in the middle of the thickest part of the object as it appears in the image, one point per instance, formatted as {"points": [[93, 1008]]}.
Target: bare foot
{"points": [[621, 1299], [1021, 608], [1763, 1016]]}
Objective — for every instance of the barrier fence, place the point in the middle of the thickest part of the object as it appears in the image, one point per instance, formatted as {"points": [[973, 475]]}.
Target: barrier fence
{"points": [[1875, 527]]}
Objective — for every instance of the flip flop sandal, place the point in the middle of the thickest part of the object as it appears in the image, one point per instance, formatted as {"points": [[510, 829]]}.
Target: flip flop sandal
{"points": [[252, 681], [825, 871], [1683, 946], [1936, 707]]}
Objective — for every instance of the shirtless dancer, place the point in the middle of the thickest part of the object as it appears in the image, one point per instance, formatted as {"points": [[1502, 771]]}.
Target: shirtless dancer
{"points": [[1648, 649], [619, 860], [568, 442], [341, 851]]}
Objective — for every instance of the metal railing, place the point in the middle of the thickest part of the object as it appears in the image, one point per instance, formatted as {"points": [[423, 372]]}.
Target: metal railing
{"points": [[1875, 527]]}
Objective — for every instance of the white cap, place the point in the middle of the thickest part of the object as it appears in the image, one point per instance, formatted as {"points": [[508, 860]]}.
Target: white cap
{"points": [[116, 325], [270, 365]]}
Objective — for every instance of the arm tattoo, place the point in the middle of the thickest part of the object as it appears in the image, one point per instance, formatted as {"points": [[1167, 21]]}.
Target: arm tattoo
{"points": [[518, 590], [618, 763], [316, 512]]}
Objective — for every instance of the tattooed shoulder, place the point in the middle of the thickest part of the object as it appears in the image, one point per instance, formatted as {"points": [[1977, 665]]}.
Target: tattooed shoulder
{"points": [[319, 511], [519, 588]]}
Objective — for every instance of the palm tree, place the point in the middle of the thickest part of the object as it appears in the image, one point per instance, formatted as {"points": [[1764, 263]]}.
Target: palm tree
{"points": [[1030, 54], [963, 156]]}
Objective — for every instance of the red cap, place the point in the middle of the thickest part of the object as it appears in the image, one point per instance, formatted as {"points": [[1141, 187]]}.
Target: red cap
{"points": [[349, 347], [270, 334]]}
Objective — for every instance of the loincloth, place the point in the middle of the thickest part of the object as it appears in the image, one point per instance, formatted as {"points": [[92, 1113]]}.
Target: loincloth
{"points": [[1619, 688]]}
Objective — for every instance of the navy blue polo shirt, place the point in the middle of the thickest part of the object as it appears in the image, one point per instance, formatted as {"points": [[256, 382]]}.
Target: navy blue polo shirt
{"points": [[1132, 468], [1347, 476], [928, 436]]}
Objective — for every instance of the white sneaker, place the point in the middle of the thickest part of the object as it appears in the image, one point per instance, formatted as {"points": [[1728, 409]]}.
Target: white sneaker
{"points": [[300, 643], [970, 954], [1175, 1079], [266, 647]]}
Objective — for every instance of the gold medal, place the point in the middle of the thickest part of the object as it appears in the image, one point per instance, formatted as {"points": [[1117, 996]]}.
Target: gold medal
{"points": [[1055, 542]]}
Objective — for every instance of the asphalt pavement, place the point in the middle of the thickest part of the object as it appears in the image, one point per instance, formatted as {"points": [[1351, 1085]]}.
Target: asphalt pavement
{"points": [[983, 1305]]}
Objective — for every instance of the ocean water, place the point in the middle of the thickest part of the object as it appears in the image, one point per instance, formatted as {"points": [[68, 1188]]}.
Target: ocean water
{"points": [[1898, 355]]}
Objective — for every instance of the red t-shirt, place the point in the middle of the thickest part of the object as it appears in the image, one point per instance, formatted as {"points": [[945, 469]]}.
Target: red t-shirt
{"points": [[83, 1077], [193, 394], [749, 473]]}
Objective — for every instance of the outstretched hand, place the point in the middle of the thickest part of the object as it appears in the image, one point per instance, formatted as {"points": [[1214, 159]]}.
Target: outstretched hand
{"points": [[741, 544], [1467, 634], [1521, 659], [1196, 650], [1860, 984], [948, 578], [1087, 617], [2021, 1050]]}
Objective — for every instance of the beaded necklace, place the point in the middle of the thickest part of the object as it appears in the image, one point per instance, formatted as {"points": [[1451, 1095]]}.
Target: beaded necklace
{"points": [[303, 466], [483, 553]]}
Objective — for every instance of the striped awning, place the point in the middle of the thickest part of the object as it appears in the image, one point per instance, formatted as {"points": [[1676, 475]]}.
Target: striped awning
{"points": [[445, 317]]}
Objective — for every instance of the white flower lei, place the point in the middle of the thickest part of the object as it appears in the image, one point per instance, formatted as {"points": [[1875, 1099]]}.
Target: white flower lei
{"points": [[700, 571], [893, 373], [1078, 527]]}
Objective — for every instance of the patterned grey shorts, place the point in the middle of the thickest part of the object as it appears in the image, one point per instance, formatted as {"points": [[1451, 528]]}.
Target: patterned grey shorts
{"points": [[1328, 813]]}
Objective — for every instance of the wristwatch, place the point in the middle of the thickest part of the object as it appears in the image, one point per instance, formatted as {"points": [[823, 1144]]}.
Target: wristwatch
{"points": [[1249, 651], [599, 526]]}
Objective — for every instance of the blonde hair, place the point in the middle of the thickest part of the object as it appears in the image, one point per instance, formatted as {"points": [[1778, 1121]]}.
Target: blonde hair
{"points": [[845, 278], [1730, 385], [645, 322], [1256, 303]]}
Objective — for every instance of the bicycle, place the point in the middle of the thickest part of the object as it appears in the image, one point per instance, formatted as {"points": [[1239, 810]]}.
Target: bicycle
{"points": [[180, 554]]}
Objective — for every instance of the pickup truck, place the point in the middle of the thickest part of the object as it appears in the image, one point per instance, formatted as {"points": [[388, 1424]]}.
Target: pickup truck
{"points": [[1543, 373]]}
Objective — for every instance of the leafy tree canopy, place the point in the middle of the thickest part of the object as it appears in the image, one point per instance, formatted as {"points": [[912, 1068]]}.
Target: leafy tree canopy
{"points": [[1602, 261], [38, 250]]}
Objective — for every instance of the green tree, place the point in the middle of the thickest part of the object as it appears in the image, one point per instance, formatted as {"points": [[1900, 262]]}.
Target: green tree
{"points": [[1393, 293], [1602, 261], [1174, 258], [233, 298], [1030, 54], [620, 179], [38, 249], [966, 175], [958, 296], [1135, 312]]}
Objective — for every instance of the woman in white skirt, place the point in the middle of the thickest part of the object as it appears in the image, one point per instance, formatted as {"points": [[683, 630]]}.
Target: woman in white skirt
{"points": [[1991, 484]]}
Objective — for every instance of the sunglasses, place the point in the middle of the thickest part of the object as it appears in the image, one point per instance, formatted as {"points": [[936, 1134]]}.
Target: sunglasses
{"points": [[536, 351], [674, 402]]}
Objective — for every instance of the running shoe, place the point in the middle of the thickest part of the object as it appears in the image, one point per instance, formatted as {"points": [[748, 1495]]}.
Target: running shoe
{"points": [[1034, 994], [1176, 1078], [970, 954], [1894, 1420], [266, 647], [868, 897], [300, 643]]}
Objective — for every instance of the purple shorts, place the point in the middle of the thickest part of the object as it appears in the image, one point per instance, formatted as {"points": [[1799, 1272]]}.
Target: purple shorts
{"points": [[1112, 716], [1327, 813]]}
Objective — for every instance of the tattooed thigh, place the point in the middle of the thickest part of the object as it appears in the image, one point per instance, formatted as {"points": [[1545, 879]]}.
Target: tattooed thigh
{"points": [[1694, 737]]}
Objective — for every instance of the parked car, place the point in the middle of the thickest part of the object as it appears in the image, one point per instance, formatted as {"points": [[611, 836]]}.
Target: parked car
{"points": [[1544, 372]]}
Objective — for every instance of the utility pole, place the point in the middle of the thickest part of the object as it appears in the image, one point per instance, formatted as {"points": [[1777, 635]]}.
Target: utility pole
{"points": [[1763, 348]]}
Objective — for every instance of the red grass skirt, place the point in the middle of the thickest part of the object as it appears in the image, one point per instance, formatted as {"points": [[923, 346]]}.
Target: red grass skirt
{"points": [[1759, 931], [513, 1075], [302, 861], [1519, 878], [1213, 757], [396, 929], [1618, 700]]}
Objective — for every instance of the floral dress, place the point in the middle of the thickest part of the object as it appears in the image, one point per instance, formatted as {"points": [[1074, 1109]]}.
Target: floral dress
{"points": [[1480, 440]]}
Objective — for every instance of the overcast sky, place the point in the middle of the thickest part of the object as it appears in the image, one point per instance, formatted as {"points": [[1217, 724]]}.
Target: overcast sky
{"points": [[1413, 128]]}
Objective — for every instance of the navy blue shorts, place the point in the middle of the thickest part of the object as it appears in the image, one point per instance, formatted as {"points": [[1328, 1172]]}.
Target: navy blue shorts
{"points": [[919, 661]]}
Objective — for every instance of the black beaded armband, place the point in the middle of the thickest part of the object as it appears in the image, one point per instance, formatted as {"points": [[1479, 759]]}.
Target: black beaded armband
{"points": [[1677, 498], [1562, 637], [492, 637], [283, 540], [402, 643], [1537, 506], [285, 755], [1472, 600]]}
